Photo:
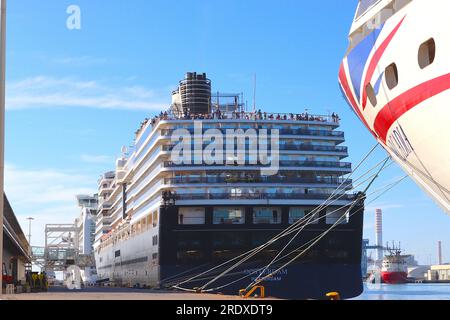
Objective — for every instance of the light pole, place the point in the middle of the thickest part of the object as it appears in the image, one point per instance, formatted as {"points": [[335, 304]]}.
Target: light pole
{"points": [[2, 127], [29, 231]]}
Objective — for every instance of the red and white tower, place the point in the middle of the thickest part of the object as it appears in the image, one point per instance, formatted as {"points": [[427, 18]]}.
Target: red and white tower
{"points": [[379, 234], [440, 260]]}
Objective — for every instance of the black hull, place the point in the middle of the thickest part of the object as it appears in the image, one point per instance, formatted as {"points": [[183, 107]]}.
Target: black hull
{"points": [[296, 282], [333, 264]]}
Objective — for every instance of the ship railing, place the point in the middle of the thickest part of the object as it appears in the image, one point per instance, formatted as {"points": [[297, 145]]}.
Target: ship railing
{"points": [[283, 163], [255, 180], [104, 206], [263, 196], [303, 117], [294, 132], [244, 116], [284, 147]]}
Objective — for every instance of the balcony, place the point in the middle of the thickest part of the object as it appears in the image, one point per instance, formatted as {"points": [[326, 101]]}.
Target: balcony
{"points": [[283, 163], [104, 207], [105, 190], [286, 147], [284, 132], [255, 180], [258, 196]]}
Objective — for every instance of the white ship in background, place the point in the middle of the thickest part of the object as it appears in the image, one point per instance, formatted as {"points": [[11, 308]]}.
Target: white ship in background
{"points": [[396, 77]]}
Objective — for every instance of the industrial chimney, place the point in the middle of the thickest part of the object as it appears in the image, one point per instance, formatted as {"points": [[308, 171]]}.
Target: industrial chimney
{"points": [[379, 234], [440, 260]]}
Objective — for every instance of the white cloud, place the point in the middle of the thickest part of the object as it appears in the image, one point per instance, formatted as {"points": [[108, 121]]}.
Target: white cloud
{"points": [[47, 195], [96, 159], [81, 61], [51, 92]]}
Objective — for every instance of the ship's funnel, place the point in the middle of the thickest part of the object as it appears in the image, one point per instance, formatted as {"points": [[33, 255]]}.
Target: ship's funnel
{"points": [[193, 96]]}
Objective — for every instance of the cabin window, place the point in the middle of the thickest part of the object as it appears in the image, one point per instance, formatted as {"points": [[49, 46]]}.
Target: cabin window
{"points": [[371, 94], [138, 227], [225, 255], [149, 221], [229, 216], [267, 216], [155, 218], [337, 215], [189, 257], [191, 216], [305, 214], [296, 214], [427, 53], [227, 240], [189, 240], [392, 76]]}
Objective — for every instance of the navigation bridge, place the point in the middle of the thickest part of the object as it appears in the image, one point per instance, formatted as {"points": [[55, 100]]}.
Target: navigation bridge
{"points": [[61, 249]]}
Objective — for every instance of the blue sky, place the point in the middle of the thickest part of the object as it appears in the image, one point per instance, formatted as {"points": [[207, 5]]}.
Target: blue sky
{"points": [[74, 97]]}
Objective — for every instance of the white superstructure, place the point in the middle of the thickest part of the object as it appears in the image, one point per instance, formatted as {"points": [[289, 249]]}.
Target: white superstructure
{"points": [[156, 216], [86, 223]]}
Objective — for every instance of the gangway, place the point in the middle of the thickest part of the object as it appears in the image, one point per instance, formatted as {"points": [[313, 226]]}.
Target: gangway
{"points": [[61, 250]]}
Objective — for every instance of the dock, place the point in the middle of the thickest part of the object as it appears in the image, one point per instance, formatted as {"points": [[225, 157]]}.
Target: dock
{"points": [[116, 294]]}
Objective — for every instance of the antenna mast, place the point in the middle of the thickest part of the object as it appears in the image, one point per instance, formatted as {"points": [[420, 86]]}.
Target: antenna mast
{"points": [[254, 92]]}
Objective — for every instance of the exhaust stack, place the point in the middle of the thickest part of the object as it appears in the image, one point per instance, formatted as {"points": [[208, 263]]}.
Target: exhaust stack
{"points": [[379, 234]]}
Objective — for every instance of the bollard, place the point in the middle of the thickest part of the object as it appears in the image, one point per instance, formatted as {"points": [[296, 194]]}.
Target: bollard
{"points": [[333, 296], [244, 294]]}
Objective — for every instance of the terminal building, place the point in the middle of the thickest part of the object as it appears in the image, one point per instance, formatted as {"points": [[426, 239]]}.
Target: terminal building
{"points": [[439, 273], [16, 249]]}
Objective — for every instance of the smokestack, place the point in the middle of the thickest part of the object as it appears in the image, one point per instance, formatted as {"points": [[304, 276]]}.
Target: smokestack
{"points": [[379, 233], [440, 260]]}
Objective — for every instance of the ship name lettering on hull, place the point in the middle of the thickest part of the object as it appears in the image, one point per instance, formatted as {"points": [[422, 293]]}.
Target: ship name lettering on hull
{"points": [[399, 144]]}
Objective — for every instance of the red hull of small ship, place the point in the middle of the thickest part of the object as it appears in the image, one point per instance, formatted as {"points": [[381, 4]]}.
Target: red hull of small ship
{"points": [[394, 277]]}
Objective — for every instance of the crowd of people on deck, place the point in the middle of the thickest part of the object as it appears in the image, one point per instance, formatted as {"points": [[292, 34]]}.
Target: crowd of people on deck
{"points": [[242, 115]]}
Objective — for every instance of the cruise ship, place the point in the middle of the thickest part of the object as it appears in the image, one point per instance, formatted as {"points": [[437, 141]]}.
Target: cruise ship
{"points": [[396, 77], [164, 217]]}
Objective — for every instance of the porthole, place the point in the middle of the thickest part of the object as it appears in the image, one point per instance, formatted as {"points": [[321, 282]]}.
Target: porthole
{"points": [[427, 53], [392, 76], [371, 94]]}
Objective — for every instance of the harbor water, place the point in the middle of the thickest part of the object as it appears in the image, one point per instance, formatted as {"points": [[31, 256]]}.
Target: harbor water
{"points": [[406, 292]]}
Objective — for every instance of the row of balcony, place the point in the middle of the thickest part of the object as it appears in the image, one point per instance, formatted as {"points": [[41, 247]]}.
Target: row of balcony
{"points": [[285, 147], [283, 132], [262, 196], [282, 163], [257, 179]]}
